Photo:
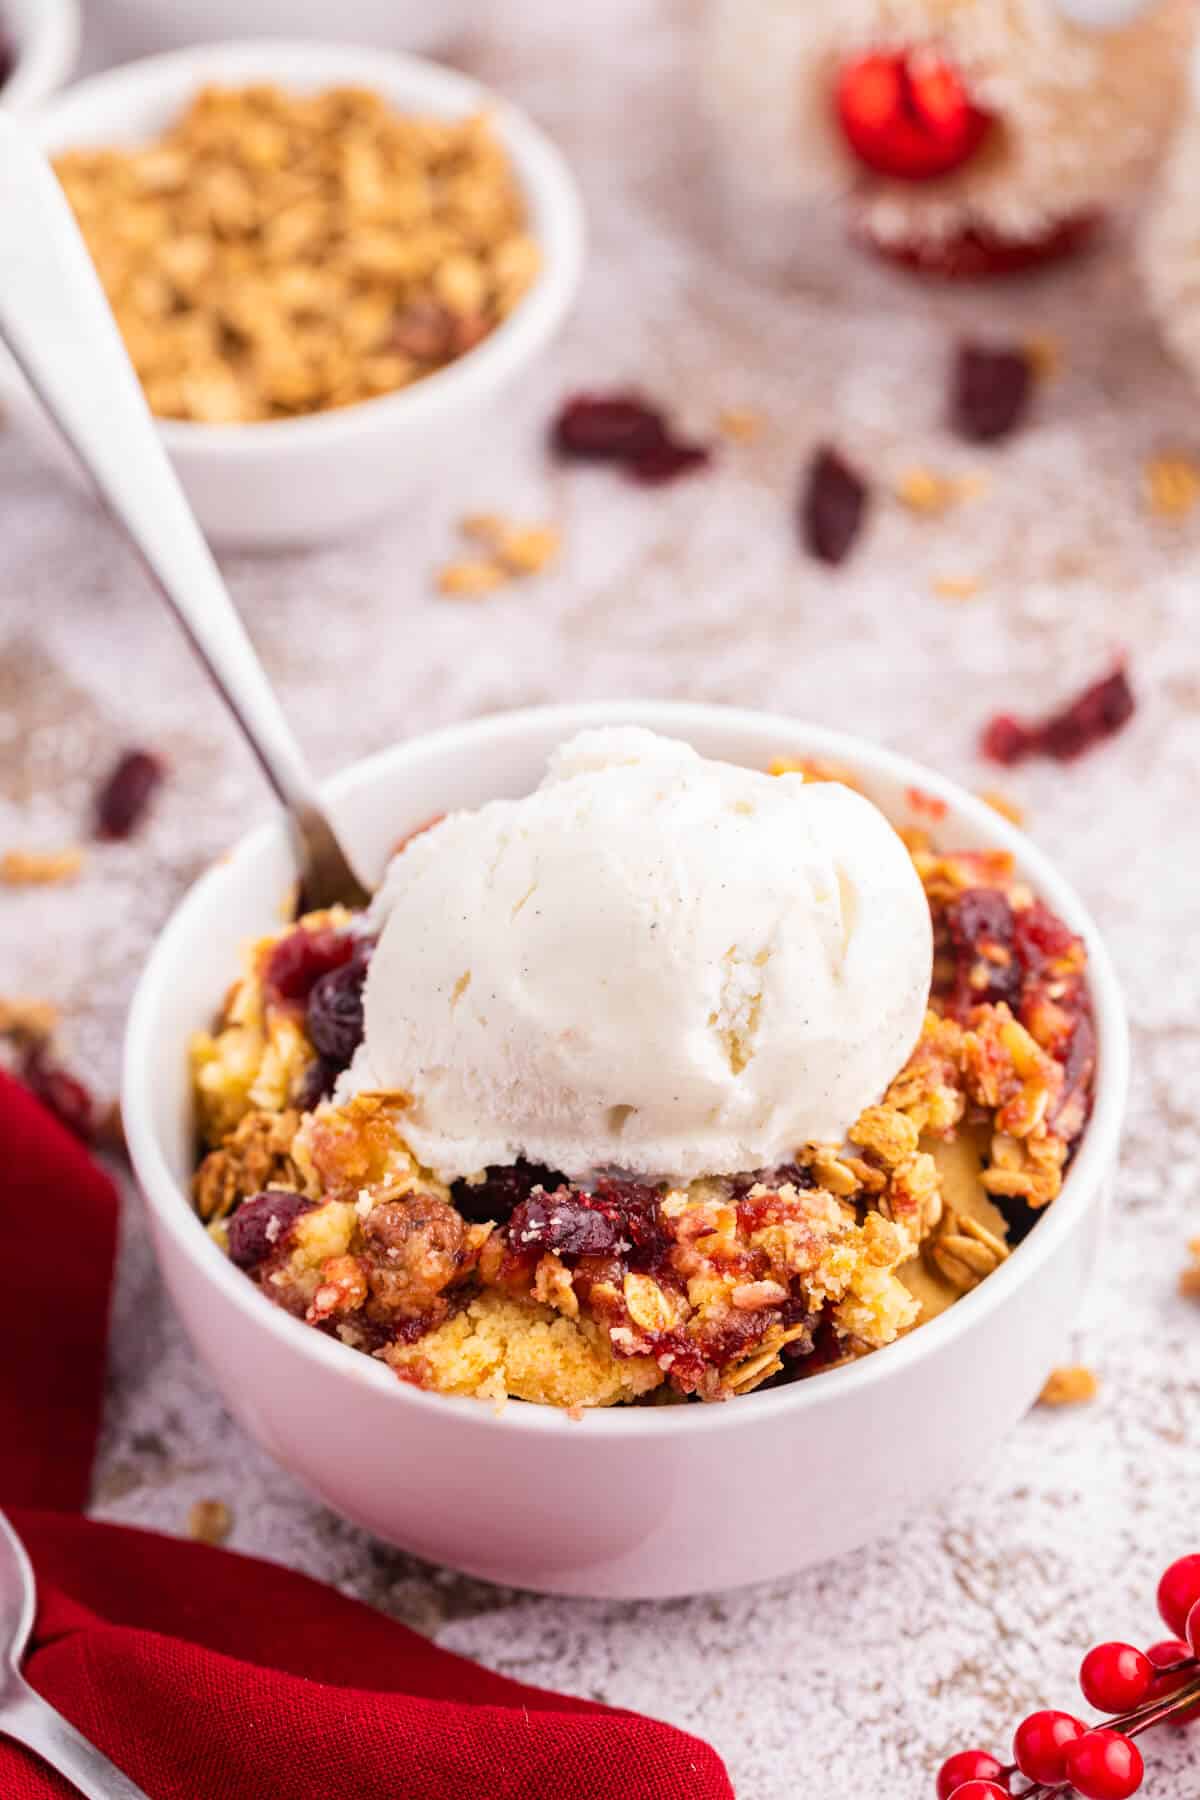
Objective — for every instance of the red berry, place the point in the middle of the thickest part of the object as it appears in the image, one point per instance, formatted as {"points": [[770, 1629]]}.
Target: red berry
{"points": [[967, 1766], [1040, 1744], [1172, 1650], [1192, 1629], [127, 792], [1115, 1677], [908, 116], [1104, 1765], [1178, 1592], [981, 1790]]}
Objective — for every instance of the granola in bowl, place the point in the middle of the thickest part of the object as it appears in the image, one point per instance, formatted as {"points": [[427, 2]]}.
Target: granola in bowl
{"points": [[610, 1283], [275, 254]]}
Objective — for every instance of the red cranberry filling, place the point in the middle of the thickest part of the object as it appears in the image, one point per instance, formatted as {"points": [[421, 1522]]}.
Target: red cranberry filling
{"points": [[299, 960], [988, 971], [334, 1016], [501, 1191], [260, 1225]]}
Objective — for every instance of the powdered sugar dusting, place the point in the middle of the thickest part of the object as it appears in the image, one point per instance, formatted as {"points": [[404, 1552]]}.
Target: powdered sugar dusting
{"points": [[871, 1668]]}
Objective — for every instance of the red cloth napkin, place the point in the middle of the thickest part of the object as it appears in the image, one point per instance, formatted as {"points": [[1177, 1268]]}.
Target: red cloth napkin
{"points": [[211, 1676]]}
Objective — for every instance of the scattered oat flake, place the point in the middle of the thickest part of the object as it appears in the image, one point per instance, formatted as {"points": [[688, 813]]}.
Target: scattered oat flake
{"points": [[483, 528], [209, 1521], [833, 506], [740, 424], [1189, 1281], [470, 580], [1002, 804], [39, 868], [1172, 486], [924, 491], [957, 587], [1045, 355], [1073, 1385], [527, 549], [28, 1019]]}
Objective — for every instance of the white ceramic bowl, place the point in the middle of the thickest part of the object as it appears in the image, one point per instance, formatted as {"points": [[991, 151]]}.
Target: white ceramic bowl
{"points": [[631, 1502], [301, 481], [45, 35], [132, 27]]}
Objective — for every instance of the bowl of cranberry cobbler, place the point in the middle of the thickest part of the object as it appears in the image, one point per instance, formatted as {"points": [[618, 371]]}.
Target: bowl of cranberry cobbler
{"points": [[706, 1105]]}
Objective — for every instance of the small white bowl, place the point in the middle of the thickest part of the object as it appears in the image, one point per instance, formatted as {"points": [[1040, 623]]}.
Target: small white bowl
{"points": [[45, 36], [305, 480], [633, 1501]]}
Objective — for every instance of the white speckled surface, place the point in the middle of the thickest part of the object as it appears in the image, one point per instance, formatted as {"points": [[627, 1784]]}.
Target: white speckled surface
{"points": [[870, 1669]]}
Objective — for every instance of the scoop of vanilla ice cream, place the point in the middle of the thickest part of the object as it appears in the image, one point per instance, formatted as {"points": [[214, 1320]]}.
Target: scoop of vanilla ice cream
{"points": [[653, 962]]}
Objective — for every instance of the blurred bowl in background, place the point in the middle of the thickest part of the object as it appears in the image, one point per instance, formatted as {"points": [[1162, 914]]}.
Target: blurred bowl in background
{"points": [[43, 36], [305, 480], [133, 27]]}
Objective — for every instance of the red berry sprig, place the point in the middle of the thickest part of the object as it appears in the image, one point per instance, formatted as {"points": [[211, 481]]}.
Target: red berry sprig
{"points": [[1057, 1755]]}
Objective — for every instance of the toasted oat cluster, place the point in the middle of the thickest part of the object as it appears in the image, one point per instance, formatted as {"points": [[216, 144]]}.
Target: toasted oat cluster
{"points": [[518, 1282], [276, 253]]}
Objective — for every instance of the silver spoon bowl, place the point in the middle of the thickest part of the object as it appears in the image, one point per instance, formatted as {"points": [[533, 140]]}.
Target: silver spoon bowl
{"points": [[25, 1716]]}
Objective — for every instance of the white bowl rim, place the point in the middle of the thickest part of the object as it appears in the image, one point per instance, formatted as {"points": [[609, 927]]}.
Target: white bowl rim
{"points": [[45, 53], [540, 166], [1096, 1153]]}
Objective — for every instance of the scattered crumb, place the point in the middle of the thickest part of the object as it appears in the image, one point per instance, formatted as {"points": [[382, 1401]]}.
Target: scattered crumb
{"points": [[469, 580], [527, 549], [209, 1521], [1045, 354], [1172, 485], [957, 587], [512, 552], [1189, 1281], [1000, 803], [28, 1020], [1070, 1386], [924, 491], [41, 868], [740, 424]]}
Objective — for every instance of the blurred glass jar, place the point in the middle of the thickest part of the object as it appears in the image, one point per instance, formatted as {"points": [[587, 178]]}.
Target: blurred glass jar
{"points": [[130, 27]]}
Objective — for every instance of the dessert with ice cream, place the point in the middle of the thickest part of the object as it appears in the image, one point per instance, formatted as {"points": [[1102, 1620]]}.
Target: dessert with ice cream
{"points": [[966, 136], [666, 1081]]}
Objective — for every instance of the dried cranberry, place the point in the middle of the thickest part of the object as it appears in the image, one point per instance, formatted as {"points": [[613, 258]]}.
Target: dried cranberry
{"points": [[259, 1225], [666, 461], [980, 923], [565, 1222], [123, 798], [833, 506], [992, 391], [60, 1093], [608, 428], [334, 1018], [785, 1175], [501, 1191], [1005, 740], [1098, 713], [317, 1085], [299, 960], [1040, 936]]}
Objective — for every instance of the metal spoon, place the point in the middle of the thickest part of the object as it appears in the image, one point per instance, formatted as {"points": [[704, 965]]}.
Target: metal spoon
{"points": [[57, 323], [24, 1715]]}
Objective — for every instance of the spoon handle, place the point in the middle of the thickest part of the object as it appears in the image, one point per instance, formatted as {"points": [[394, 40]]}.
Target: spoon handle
{"points": [[31, 1721], [55, 319]]}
